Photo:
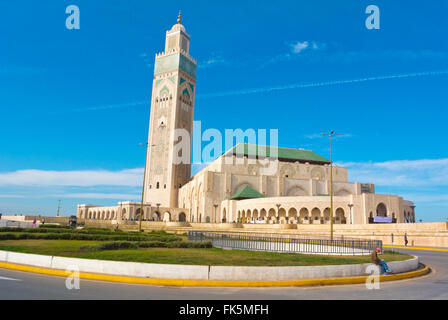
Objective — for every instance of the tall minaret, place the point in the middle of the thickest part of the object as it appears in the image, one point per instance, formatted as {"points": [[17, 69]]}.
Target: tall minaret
{"points": [[172, 106]]}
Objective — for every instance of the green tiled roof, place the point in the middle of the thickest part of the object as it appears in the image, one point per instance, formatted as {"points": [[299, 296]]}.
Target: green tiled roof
{"points": [[283, 153], [247, 193]]}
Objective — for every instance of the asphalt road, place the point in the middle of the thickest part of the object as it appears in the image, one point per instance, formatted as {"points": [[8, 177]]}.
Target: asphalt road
{"points": [[23, 285]]}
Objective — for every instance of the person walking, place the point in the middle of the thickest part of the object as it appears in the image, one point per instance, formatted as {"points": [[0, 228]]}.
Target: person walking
{"points": [[405, 239]]}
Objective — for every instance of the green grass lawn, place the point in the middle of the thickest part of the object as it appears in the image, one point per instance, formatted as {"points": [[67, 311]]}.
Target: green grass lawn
{"points": [[211, 256]]}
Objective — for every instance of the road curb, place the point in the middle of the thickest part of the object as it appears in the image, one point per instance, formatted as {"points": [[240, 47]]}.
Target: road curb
{"points": [[416, 248], [214, 283]]}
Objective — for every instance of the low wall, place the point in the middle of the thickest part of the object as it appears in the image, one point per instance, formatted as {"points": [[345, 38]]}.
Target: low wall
{"points": [[191, 272], [15, 224]]}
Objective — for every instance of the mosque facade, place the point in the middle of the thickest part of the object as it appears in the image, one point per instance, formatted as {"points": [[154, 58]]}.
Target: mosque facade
{"points": [[236, 187]]}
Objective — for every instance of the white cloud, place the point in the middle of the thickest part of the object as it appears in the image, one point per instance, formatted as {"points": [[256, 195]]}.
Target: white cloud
{"points": [[214, 60], [299, 46], [118, 196], [84, 178], [322, 84], [318, 136], [403, 173]]}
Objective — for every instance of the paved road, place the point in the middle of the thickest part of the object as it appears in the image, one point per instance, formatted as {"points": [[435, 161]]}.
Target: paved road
{"points": [[22, 285]]}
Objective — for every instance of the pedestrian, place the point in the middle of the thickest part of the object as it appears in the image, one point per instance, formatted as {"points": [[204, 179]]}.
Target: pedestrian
{"points": [[380, 262], [405, 239], [34, 222]]}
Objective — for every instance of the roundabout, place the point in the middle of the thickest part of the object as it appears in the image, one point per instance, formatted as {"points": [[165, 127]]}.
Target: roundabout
{"points": [[26, 285]]}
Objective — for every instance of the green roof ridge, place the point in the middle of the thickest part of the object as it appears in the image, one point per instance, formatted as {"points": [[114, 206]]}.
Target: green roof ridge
{"points": [[282, 153], [247, 192]]}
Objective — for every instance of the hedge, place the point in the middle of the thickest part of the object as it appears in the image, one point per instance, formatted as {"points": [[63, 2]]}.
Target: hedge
{"points": [[78, 236], [117, 245], [160, 236]]}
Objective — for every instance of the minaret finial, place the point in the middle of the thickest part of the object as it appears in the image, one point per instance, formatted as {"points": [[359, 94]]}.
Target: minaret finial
{"points": [[179, 18]]}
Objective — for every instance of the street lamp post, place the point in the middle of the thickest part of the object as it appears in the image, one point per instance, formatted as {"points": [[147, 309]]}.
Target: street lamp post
{"points": [[143, 188], [331, 135]]}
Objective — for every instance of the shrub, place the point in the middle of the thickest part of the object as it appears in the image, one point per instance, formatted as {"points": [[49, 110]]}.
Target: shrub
{"points": [[53, 226], [152, 244], [115, 245], [189, 244]]}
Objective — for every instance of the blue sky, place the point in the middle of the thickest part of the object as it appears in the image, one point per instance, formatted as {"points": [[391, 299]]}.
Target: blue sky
{"points": [[75, 103]]}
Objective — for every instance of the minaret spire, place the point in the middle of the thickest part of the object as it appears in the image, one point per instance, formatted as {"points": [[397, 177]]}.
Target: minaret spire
{"points": [[179, 18]]}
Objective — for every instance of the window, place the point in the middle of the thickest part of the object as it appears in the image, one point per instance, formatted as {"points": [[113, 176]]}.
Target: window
{"points": [[164, 186], [157, 185]]}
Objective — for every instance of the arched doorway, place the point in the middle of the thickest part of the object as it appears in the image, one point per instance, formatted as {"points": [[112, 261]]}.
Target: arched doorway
{"points": [[182, 217], [303, 215], [327, 215], [340, 215], [137, 214], [167, 217], [292, 214], [381, 210], [315, 216]]}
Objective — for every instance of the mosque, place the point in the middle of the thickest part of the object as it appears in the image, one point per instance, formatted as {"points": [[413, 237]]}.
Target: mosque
{"points": [[236, 187]]}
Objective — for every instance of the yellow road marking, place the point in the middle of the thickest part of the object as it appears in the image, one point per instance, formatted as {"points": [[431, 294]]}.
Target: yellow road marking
{"points": [[416, 248], [214, 283]]}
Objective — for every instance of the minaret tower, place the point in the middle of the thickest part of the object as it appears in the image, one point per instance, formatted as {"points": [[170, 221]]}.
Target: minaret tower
{"points": [[172, 106]]}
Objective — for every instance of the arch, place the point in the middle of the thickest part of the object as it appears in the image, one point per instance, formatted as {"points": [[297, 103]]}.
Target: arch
{"points": [[292, 214], [271, 214], [207, 219], [123, 214], [156, 216], [167, 217], [317, 173], [282, 215], [255, 214], [326, 215], [296, 191], [248, 215], [137, 214], [315, 215], [263, 214], [113, 215], [223, 218], [342, 192], [182, 217], [340, 215], [108, 215], [381, 210], [303, 215], [287, 171]]}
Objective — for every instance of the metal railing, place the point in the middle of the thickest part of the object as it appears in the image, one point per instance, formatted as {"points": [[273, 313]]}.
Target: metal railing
{"points": [[286, 243]]}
